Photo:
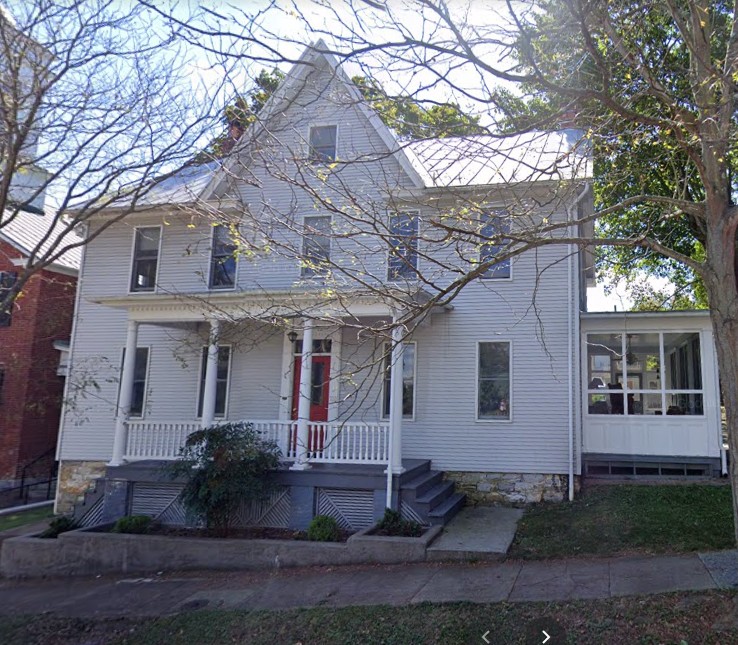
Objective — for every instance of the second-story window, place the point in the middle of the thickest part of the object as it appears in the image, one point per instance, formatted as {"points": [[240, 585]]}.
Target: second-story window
{"points": [[323, 143], [316, 246], [495, 225], [403, 257], [7, 281], [145, 258], [223, 259]]}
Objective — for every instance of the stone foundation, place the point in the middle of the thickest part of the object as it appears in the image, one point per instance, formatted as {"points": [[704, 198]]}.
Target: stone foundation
{"points": [[512, 488], [75, 479]]}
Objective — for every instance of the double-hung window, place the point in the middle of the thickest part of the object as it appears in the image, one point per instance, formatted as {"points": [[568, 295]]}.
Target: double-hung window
{"points": [[7, 282], [408, 381], [323, 143], [316, 246], [222, 259], [495, 225], [403, 256], [140, 369], [145, 258], [493, 381], [221, 379]]}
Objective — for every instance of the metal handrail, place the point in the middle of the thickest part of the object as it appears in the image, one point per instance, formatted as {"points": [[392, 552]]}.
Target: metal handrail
{"points": [[25, 488]]}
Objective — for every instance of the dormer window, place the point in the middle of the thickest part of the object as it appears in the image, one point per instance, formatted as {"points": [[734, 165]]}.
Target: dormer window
{"points": [[323, 143]]}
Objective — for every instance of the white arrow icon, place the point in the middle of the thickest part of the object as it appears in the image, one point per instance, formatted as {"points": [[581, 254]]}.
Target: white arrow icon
{"points": [[484, 637], [545, 640]]}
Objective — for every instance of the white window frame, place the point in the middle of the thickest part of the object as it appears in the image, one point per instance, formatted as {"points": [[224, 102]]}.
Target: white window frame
{"points": [[203, 359], [663, 392], [133, 257], [477, 418], [389, 255], [144, 404], [310, 147], [210, 265], [500, 213], [387, 352], [314, 276]]}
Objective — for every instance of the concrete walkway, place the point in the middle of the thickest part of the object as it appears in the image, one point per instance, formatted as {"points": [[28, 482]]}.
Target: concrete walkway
{"points": [[512, 581]]}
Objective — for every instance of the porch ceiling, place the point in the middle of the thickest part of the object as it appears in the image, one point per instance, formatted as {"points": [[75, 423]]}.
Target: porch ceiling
{"points": [[327, 304]]}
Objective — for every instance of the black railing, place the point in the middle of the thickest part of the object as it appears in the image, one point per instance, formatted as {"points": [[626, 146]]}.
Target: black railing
{"points": [[48, 477]]}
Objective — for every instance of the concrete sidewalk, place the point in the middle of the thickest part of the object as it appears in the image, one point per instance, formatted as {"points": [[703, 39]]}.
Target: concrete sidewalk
{"points": [[512, 581]]}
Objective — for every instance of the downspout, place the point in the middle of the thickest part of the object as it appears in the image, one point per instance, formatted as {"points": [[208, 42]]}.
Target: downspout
{"points": [[573, 330]]}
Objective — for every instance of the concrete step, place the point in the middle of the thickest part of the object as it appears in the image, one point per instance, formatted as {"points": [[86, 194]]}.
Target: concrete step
{"points": [[423, 483], [445, 511], [435, 496]]}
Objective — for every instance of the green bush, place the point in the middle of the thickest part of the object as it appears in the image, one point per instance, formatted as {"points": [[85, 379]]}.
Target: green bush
{"points": [[132, 524], [323, 529], [393, 524], [224, 466], [59, 525]]}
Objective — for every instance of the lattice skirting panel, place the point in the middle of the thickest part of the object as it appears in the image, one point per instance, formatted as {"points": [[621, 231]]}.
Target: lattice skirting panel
{"points": [[93, 515], [352, 509], [160, 501], [409, 513], [272, 512]]}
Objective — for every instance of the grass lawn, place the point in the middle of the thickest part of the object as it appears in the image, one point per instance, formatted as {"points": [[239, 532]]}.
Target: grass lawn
{"points": [[684, 618], [607, 520], [26, 517]]}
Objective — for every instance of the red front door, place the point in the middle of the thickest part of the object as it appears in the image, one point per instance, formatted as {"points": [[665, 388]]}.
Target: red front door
{"points": [[319, 392]]}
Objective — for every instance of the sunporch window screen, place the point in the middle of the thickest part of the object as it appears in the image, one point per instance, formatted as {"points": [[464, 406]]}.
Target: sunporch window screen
{"points": [[223, 259], [403, 255], [494, 224], [645, 373], [140, 369], [493, 387], [323, 143], [145, 258], [7, 281], [316, 246], [221, 381], [408, 380]]}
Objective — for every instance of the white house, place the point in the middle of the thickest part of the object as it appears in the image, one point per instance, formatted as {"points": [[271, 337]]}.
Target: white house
{"points": [[328, 325]]}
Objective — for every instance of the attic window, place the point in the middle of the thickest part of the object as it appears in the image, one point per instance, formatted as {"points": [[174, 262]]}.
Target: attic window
{"points": [[323, 143]]}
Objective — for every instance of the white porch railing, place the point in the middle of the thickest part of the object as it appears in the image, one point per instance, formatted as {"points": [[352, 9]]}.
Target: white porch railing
{"points": [[334, 443]]}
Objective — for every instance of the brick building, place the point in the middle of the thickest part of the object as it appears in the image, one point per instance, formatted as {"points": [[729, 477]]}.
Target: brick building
{"points": [[34, 337]]}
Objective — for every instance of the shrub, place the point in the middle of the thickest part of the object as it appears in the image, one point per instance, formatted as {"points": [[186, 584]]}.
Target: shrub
{"points": [[59, 525], [132, 524], [224, 466], [323, 529], [393, 524]]}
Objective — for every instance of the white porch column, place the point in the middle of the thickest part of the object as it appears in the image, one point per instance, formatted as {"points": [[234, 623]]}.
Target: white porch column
{"points": [[211, 377], [395, 411], [120, 440], [303, 403]]}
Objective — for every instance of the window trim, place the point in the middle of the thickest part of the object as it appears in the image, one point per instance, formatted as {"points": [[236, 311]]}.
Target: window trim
{"points": [[303, 267], [133, 258], [415, 276], [201, 385], [663, 392], [211, 287], [387, 350], [144, 403], [496, 212], [477, 418], [315, 160]]}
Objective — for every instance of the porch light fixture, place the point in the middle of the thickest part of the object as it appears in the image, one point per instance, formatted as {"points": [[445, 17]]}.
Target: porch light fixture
{"points": [[292, 336]]}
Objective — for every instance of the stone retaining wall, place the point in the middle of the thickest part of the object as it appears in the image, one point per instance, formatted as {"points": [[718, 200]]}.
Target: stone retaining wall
{"points": [[75, 479], [85, 552], [512, 488]]}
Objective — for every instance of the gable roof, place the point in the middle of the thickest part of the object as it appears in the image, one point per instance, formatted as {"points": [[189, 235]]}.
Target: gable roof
{"points": [[27, 230]]}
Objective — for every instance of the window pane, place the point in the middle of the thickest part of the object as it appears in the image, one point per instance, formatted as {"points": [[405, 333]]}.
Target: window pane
{"points": [[681, 404], [683, 369], [495, 224], [604, 352], [408, 381], [221, 380], [642, 361], [140, 368], [318, 378], [403, 259], [316, 245], [494, 381], [145, 259], [147, 240], [223, 259], [323, 143]]}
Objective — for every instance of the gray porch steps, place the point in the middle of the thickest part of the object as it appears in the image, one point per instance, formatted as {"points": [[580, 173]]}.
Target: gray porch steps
{"points": [[432, 499], [447, 509]]}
